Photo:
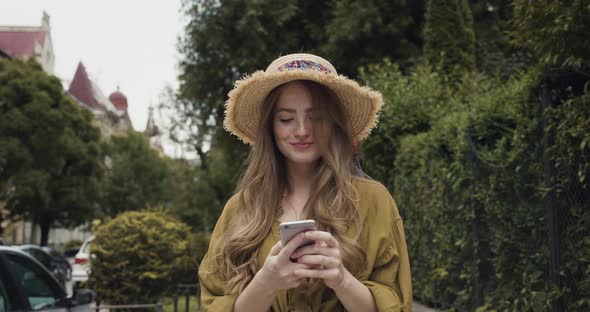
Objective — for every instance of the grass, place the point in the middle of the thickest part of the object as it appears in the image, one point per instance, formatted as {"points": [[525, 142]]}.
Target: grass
{"points": [[169, 304]]}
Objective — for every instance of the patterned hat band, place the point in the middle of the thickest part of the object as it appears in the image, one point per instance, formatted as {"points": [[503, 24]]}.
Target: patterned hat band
{"points": [[304, 65]]}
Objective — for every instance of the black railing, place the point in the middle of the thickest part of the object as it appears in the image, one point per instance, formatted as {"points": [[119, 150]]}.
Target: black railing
{"points": [[183, 292], [187, 291], [156, 306]]}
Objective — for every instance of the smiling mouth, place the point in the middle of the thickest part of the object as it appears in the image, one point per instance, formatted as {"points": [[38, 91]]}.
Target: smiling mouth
{"points": [[301, 145]]}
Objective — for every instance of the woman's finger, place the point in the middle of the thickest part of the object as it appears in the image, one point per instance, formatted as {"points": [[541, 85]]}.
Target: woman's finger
{"points": [[316, 249], [315, 260], [323, 274], [322, 236], [301, 266], [275, 249]]}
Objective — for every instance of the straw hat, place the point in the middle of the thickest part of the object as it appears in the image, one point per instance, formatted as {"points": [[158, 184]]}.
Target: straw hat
{"points": [[361, 105]]}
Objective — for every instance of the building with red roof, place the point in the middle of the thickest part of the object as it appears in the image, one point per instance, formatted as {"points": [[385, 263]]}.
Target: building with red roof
{"points": [[29, 42], [111, 112]]}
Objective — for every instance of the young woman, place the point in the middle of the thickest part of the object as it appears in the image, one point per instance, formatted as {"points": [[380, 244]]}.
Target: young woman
{"points": [[301, 119]]}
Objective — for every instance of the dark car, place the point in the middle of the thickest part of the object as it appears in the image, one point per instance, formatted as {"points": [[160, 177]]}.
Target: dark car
{"points": [[26, 285], [58, 266]]}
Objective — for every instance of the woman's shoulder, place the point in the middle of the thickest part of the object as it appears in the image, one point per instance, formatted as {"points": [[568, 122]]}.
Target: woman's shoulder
{"points": [[375, 201], [229, 209], [369, 187]]}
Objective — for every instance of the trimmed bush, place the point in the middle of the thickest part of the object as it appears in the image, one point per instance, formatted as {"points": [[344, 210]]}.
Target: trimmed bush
{"points": [[140, 256]]}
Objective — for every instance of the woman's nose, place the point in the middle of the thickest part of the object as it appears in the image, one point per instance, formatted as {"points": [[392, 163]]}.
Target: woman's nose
{"points": [[303, 127]]}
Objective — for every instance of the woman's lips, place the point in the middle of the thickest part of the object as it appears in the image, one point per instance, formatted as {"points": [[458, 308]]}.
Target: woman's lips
{"points": [[301, 146]]}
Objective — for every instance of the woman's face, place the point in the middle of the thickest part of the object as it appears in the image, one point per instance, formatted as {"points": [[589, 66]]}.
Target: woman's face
{"points": [[293, 125]]}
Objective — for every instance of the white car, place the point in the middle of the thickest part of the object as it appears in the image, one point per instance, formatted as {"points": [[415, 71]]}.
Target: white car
{"points": [[81, 267]]}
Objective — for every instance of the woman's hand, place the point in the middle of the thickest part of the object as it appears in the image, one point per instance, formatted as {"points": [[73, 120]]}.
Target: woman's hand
{"points": [[278, 271], [323, 258]]}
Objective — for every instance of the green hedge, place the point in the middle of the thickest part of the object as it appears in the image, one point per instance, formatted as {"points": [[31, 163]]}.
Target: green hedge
{"points": [[470, 184], [140, 256], [570, 124]]}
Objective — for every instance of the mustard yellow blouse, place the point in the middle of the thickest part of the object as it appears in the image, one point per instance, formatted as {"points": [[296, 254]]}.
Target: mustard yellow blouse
{"points": [[387, 274]]}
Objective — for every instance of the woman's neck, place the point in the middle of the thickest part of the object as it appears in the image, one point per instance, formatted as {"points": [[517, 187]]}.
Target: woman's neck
{"points": [[300, 177]]}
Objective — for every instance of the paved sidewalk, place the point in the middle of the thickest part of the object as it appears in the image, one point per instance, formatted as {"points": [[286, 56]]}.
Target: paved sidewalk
{"points": [[417, 307]]}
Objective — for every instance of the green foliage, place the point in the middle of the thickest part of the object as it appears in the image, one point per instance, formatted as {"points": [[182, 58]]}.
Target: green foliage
{"points": [[359, 33], [449, 39], [554, 31], [51, 158], [470, 183], [412, 102], [138, 175], [569, 124], [195, 201], [140, 256], [495, 55]]}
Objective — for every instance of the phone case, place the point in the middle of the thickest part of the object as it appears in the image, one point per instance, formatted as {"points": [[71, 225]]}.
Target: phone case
{"points": [[290, 229]]}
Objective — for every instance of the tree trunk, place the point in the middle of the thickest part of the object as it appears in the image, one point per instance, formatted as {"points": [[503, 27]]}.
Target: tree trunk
{"points": [[45, 224], [33, 233]]}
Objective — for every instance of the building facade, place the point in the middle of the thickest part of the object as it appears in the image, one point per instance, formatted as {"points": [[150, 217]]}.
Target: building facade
{"points": [[29, 42]]}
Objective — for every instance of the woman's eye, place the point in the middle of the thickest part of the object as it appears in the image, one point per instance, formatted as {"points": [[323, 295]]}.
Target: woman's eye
{"points": [[285, 120]]}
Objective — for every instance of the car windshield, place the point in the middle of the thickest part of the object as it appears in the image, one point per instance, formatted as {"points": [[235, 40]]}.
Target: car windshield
{"points": [[71, 252]]}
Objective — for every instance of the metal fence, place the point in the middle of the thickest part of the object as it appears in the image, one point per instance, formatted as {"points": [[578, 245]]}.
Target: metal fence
{"points": [[186, 291], [181, 301], [127, 307]]}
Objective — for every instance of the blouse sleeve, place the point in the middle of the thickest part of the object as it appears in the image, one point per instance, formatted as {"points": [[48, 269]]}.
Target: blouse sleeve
{"points": [[390, 281], [211, 278]]}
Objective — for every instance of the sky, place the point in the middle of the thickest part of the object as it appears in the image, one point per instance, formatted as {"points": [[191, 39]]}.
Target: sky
{"points": [[126, 43]]}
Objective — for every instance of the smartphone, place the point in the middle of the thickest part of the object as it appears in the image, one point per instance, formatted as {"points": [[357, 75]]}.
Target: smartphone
{"points": [[291, 229]]}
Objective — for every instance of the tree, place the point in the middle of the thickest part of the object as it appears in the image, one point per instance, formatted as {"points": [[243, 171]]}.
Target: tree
{"points": [[137, 177], [195, 201], [449, 39], [51, 159], [554, 32]]}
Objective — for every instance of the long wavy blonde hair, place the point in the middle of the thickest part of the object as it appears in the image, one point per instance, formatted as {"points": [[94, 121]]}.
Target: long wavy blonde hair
{"points": [[333, 204]]}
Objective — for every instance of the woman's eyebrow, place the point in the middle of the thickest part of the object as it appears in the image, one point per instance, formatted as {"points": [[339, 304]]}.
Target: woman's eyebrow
{"points": [[290, 110]]}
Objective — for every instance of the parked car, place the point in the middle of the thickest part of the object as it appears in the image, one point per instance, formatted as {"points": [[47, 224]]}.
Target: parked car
{"points": [[26, 285], [58, 266], [50, 250], [81, 267], [70, 254]]}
